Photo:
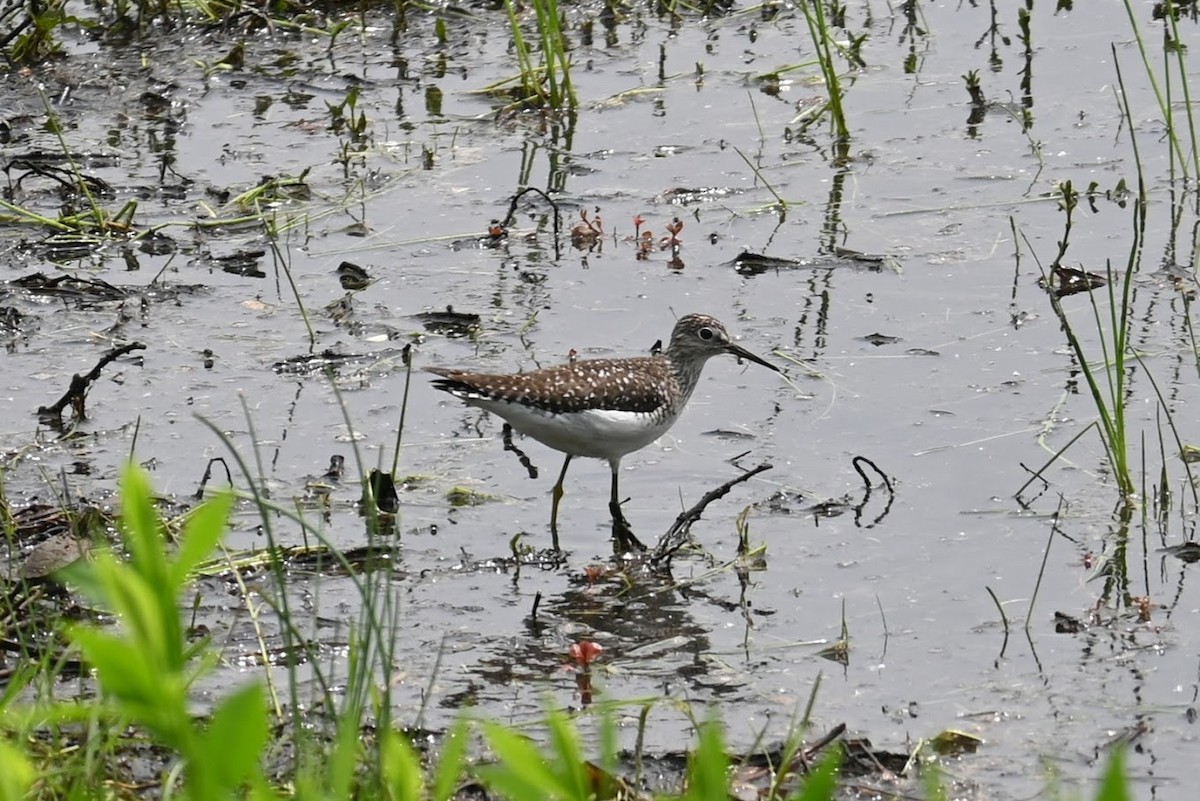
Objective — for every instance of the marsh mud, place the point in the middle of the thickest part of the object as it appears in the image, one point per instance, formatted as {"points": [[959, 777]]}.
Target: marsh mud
{"points": [[196, 189]]}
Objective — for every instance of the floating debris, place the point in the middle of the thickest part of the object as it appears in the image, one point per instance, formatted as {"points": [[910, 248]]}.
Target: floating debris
{"points": [[465, 496], [69, 287], [746, 263], [878, 339], [381, 487], [953, 742], [588, 232], [683, 196], [1187, 551], [11, 319], [352, 277], [244, 263], [76, 394], [449, 322], [1067, 624], [310, 363], [1066, 281]]}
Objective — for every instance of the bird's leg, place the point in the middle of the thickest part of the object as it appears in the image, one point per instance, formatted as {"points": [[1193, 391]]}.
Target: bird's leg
{"points": [[556, 496], [622, 534]]}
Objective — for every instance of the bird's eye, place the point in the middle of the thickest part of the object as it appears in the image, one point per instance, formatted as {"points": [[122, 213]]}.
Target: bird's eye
{"points": [[705, 333]]}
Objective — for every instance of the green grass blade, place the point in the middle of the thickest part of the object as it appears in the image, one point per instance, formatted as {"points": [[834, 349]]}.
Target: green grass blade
{"points": [[1114, 787]]}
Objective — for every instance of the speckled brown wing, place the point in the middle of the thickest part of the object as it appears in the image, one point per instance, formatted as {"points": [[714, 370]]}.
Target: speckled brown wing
{"points": [[627, 385]]}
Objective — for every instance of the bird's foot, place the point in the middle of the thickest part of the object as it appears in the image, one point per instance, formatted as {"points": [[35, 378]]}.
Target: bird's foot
{"points": [[623, 539]]}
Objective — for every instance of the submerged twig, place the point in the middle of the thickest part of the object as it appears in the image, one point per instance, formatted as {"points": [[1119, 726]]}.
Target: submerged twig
{"points": [[1162, 403], [77, 391], [1003, 619], [1042, 570], [406, 356], [857, 462], [1038, 473], [676, 536], [999, 608], [509, 445], [829, 737], [208, 474], [512, 210]]}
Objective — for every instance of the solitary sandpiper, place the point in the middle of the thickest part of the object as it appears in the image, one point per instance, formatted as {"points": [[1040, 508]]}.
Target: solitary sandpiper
{"points": [[600, 408]]}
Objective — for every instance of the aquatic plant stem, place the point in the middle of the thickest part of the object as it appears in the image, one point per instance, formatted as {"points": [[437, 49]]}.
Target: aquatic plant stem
{"points": [[1109, 399], [376, 643], [999, 608], [285, 264], [1163, 105], [257, 486], [1038, 473], [1133, 142], [370, 654], [25, 214], [530, 82], [1178, 50], [548, 84], [97, 213], [783, 204], [554, 54], [1042, 570], [818, 29], [1162, 402], [403, 409]]}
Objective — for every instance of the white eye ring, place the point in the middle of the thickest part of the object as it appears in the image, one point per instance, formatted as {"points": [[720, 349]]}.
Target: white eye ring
{"points": [[705, 333]]}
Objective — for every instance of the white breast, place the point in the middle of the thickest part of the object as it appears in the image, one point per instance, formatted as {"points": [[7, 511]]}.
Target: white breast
{"points": [[595, 433]]}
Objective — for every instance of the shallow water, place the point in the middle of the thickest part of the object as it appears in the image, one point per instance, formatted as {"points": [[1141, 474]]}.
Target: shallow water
{"points": [[978, 387]]}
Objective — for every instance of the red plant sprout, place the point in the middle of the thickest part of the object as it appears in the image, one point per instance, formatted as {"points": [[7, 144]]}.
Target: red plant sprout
{"points": [[587, 232], [583, 683], [645, 245], [583, 653], [673, 241]]}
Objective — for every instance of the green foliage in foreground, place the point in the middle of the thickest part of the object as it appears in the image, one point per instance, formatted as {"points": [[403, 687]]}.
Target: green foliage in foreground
{"points": [[146, 665]]}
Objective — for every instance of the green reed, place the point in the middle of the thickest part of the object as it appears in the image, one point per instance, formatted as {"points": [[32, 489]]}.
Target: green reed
{"points": [[38, 24], [546, 81], [824, 44], [1174, 51], [1107, 380]]}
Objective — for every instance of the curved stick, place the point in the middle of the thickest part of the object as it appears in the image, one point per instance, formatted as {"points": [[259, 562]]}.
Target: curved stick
{"points": [[77, 391], [676, 536]]}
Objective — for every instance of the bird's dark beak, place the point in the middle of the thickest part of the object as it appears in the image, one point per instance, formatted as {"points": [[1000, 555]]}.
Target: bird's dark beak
{"points": [[742, 353]]}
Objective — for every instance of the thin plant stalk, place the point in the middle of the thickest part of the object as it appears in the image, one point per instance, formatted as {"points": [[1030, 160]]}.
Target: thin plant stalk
{"points": [[1109, 398], [1162, 402], [818, 29], [1163, 105], [783, 204], [1037, 586], [1178, 51], [531, 85], [403, 410], [1133, 142], [272, 232], [554, 51], [549, 83]]}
